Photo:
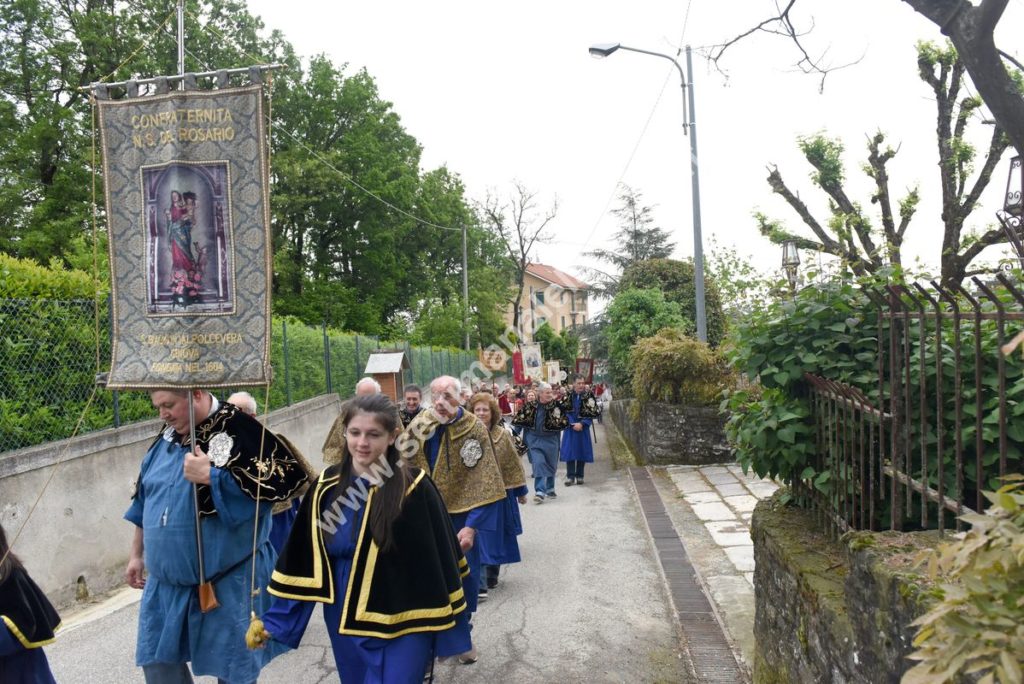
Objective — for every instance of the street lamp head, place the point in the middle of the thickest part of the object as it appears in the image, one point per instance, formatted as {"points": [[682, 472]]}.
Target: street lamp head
{"points": [[790, 261], [1012, 214], [602, 50], [1012, 204]]}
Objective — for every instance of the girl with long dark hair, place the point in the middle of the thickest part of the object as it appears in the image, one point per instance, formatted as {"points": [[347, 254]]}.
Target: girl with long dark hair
{"points": [[27, 623], [374, 544]]}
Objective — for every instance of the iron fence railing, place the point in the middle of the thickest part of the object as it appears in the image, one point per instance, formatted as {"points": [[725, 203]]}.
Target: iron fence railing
{"points": [[48, 366], [944, 423]]}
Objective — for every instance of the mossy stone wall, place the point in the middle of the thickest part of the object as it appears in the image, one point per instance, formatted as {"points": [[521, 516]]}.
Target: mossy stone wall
{"points": [[832, 611], [665, 434]]}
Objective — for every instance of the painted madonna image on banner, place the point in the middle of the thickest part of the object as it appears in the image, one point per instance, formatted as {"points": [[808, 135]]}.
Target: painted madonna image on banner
{"points": [[188, 238]]}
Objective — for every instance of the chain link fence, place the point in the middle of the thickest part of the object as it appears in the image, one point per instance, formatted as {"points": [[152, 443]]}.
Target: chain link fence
{"points": [[48, 365]]}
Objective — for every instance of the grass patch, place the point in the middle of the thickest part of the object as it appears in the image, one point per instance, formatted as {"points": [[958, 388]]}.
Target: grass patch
{"points": [[622, 455]]}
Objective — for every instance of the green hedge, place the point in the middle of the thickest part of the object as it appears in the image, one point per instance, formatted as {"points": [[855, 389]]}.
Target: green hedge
{"points": [[48, 368]]}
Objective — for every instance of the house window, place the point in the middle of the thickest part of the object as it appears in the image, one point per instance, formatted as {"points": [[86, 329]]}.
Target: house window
{"points": [[540, 321], [539, 297], [563, 322]]}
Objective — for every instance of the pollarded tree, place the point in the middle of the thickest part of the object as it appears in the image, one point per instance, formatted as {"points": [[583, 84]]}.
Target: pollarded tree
{"points": [[849, 233]]}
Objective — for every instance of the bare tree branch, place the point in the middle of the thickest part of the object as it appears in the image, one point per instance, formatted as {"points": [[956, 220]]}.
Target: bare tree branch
{"points": [[520, 234]]}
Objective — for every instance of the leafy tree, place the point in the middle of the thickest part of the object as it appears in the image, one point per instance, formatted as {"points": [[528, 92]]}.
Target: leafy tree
{"points": [[48, 50], [632, 315], [742, 288], [562, 347], [518, 225], [327, 229], [636, 240], [675, 280]]}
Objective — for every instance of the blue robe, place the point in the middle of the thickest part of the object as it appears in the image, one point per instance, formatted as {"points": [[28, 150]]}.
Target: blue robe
{"points": [[542, 446], [576, 446], [282, 525], [172, 628], [500, 547], [363, 660], [484, 518], [20, 665]]}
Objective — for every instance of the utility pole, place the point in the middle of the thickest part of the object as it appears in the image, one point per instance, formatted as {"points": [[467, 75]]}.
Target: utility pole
{"points": [[698, 244], [465, 287]]}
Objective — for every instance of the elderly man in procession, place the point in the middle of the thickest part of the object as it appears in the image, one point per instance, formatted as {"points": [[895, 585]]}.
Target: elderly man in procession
{"points": [[539, 422], [334, 445], [454, 447], [235, 485]]}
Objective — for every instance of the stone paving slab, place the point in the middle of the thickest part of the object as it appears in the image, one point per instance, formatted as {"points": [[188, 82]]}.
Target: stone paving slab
{"points": [[720, 500]]}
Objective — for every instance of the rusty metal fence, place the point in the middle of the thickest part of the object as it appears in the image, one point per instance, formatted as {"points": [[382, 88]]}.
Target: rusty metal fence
{"points": [[944, 422]]}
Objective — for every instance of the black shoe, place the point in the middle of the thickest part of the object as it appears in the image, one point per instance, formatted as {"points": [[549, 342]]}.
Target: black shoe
{"points": [[579, 480], [482, 596], [552, 495], [569, 482], [492, 582]]}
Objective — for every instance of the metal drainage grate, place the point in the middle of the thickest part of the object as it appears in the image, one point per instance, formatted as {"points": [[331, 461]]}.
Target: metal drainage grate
{"points": [[713, 659]]}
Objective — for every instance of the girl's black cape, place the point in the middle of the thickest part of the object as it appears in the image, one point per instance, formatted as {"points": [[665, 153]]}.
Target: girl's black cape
{"points": [[416, 586], [26, 611]]}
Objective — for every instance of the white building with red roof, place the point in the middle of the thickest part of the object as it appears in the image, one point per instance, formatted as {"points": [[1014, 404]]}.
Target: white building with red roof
{"points": [[553, 297]]}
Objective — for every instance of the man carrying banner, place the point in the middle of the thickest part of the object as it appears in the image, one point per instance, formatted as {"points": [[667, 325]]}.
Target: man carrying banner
{"points": [[240, 470]]}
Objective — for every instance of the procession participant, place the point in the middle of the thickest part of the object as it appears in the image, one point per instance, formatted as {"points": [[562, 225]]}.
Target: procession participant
{"points": [[500, 547], [374, 544], [366, 387], [539, 421], [413, 395], [283, 512], [507, 403], [334, 445], [235, 481], [455, 449], [577, 449], [27, 623]]}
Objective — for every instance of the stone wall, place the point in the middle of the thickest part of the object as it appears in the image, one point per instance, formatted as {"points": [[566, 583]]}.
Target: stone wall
{"points": [[830, 611], [672, 434], [76, 538]]}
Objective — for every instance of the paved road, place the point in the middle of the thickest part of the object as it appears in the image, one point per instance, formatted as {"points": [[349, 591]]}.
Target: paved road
{"points": [[587, 604]]}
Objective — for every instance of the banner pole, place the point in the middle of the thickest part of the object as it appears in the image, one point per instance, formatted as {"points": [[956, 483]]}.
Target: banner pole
{"points": [[207, 598], [181, 40]]}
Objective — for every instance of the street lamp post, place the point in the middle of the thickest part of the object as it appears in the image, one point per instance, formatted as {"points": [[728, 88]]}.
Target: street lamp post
{"points": [[689, 126]]}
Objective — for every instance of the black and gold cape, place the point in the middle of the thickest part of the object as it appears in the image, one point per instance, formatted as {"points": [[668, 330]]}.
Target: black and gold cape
{"points": [[263, 465], [415, 586], [26, 611]]}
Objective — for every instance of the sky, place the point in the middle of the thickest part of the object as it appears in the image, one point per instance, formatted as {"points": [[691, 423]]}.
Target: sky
{"points": [[507, 91]]}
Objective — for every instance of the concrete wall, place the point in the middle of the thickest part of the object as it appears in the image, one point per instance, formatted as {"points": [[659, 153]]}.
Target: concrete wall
{"points": [[844, 608], [76, 535], [672, 434]]}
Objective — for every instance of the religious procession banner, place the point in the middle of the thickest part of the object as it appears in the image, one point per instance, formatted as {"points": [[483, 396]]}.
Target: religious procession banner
{"points": [[188, 214], [532, 361], [494, 359]]}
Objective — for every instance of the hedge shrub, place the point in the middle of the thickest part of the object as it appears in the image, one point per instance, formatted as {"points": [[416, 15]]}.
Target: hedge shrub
{"points": [[672, 367]]}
